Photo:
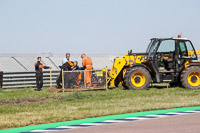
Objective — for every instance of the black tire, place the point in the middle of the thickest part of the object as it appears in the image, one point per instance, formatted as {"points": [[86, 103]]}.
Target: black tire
{"points": [[190, 78], [131, 83]]}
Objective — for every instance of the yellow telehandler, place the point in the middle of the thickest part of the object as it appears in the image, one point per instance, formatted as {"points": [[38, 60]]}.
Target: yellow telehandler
{"points": [[167, 60]]}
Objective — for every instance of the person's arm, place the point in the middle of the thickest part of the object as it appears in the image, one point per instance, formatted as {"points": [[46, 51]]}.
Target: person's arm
{"points": [[46, 67], [64, 60], [42, 66], [69, 67], [84, 63]]}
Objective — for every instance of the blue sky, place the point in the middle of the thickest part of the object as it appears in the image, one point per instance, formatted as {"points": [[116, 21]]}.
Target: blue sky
{"points": [[94, 26]]}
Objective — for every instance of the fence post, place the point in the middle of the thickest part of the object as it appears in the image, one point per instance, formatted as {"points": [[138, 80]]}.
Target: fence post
{"points": [[50, 78], [106, 78], [85, 80], [63, 83]]}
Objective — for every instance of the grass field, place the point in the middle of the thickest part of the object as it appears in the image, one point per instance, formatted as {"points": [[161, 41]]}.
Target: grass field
{"points": [[27, 107]]}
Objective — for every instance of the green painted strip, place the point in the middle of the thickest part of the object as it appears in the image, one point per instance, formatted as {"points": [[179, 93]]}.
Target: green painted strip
{"points": [[97, 119]]}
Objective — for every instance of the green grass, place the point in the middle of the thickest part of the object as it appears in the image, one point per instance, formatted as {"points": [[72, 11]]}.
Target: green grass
{"points": [[20, 107]]}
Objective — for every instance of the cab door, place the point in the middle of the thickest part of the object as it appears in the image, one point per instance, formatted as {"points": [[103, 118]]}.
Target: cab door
{"points": [[165, 56], [185, 52]]}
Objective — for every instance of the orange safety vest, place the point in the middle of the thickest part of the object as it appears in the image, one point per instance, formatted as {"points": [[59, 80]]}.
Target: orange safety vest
{"points": [[87, 63], [70, 63], [40, 66]]}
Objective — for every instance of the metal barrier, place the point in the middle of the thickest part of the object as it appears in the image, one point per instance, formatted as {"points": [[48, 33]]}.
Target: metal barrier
{"points": [[80, 80], [27, 79], [1, 79]]}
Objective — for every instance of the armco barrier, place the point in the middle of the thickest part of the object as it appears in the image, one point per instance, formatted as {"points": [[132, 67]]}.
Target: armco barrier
{"points": [[26, 79], [1, 79]]}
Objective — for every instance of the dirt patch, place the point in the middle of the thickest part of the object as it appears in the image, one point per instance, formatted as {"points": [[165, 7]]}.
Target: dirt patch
{"points": [[53, 89], [25, 101]]}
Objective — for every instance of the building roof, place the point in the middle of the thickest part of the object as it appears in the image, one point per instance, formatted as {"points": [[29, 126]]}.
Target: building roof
{"points": [[25, 62]]}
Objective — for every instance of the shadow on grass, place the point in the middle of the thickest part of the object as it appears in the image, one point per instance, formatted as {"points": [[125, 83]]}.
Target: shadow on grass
{"points": [[156, 86]]}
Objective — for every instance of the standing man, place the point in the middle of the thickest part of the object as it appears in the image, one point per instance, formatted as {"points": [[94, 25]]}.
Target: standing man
{"points": [[39, 74], [87, 65], [66, 59]]}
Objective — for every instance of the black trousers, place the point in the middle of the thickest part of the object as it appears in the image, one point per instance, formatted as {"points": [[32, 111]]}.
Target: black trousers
{"points": [[69, 79], [39, 80], [66, 80]]}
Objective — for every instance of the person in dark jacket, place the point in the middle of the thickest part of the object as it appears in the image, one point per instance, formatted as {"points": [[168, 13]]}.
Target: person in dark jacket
{"points": [[67, 66], [39, 74]]}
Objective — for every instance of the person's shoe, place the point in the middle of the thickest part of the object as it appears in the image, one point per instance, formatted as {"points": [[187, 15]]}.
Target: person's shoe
{"points": [[58, 86], [37, 89]]}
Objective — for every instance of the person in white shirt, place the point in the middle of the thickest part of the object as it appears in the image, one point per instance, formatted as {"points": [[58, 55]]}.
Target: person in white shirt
{"points": [[66, 59]]}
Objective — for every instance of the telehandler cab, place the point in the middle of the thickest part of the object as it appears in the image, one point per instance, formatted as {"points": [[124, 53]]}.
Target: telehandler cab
{"points": [[167, 60]]}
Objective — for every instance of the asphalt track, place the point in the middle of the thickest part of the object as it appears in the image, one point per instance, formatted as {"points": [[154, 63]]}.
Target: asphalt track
{"points": [[188, 123], [126, 123]]}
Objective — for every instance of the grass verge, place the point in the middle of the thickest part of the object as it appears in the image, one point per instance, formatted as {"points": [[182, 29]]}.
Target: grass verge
{"points": [[26, 107]]}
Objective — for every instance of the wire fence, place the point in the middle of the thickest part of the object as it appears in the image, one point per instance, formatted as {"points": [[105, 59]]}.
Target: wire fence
{"points": [[80, 80]]}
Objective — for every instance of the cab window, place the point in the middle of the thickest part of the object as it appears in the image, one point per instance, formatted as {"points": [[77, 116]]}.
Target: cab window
{"points": [[186, 50], [167, 46], [152, 48]]}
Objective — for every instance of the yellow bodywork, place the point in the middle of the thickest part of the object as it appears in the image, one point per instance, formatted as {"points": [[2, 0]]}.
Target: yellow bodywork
{"points": [[118, 66], [128, 61], [190, 53], [198, 52]]}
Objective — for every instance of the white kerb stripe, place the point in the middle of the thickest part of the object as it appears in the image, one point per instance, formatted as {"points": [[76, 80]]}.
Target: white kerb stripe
{"points": [[175, 113], [193, 111], [115, 121], [92, 124], [69, 127], [43, 130], [157, 115], [138, 118]]}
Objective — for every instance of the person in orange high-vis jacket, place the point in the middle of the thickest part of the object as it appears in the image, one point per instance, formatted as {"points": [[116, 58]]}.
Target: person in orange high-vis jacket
{"points": [[87, 65], [39, 74]]}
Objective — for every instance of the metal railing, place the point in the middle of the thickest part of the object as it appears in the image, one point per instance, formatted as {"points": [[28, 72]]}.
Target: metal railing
{"points": [[26, 79], [1, 79]]}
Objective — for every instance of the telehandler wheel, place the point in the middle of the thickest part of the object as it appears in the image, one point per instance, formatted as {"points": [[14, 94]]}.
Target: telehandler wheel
{"points": [[137, 78], [190, 78]]}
